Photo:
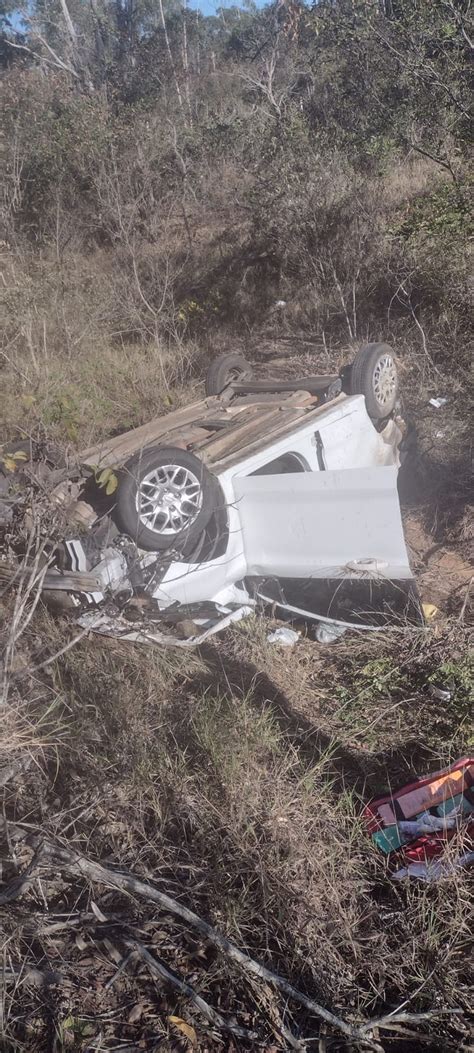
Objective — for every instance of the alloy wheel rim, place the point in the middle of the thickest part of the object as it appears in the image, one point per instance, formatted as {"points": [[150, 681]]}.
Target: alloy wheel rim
{"points": [[384, 380], [169, 499]]}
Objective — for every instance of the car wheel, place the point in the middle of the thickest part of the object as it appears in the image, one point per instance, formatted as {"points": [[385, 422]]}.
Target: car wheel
{"points": [[224, 369], [165, 497], [374, 374]]}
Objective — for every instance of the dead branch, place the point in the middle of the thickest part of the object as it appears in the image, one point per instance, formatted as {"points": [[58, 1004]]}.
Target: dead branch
{"points": [[49, 854], [158, 969], [41, 58], [32, 669], [394, 1019], [78, 864]]}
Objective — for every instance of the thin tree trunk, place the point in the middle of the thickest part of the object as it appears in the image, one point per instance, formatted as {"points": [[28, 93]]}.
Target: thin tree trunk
{"points": [[170, 55]]}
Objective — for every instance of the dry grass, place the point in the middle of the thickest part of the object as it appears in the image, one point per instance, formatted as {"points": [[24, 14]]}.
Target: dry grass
{"points": [[235, 779], [67, 366]]}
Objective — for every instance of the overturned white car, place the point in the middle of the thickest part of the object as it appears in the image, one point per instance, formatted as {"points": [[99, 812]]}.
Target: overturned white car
{"points": [[281, 493]]}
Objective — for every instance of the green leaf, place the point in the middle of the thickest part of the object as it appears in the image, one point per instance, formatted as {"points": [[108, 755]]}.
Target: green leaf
{"points": [[107, 480]]}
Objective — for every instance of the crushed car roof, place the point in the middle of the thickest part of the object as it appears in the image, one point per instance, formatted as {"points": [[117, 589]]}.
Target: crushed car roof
{"points": [[219, 428]]}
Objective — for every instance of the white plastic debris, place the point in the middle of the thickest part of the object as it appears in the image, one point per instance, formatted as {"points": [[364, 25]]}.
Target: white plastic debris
{"points": [[326, 633], [441, 693], [280, 303], [284, 636], [426, 823], [438, 402], [434, 869]]}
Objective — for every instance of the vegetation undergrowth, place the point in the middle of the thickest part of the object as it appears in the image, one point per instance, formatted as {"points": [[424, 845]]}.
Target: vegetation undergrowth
{"points": [[292, 182]]}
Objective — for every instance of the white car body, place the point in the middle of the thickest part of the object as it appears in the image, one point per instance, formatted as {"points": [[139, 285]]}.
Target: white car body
{"points": [[337, 516]]}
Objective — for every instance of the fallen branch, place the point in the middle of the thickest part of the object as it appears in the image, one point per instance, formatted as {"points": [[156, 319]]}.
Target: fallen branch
{"points": [[50, 853], [393, 1019], [158, 969], [124, 881]]}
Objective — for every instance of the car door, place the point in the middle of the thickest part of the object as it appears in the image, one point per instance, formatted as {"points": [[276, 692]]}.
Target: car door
{"points": [[323, 524], [328, 526]]}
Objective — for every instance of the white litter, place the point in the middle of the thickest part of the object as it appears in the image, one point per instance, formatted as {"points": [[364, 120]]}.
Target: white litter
{"points": [[434, 869], [438, 402], [326, 634], [283, 636], [428, 824], [441, 693]]}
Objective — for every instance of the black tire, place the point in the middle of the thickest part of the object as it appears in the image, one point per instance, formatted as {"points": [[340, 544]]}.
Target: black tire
{"points": [[224, 369], [200, 503], [374, 375]]}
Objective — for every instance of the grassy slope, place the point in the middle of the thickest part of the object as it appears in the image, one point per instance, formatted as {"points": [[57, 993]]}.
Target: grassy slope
{"points": [[235, 776]]}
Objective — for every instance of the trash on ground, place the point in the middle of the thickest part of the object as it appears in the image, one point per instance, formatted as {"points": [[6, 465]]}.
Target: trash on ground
{"points": [[325, 633], [284, 636], [429, 611], [443, 694], [438, 402], [414, 825], [436, 869]]}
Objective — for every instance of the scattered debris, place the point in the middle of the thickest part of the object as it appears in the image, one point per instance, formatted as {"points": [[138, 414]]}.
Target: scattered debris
{"points": [[415, 824], [438, 402], [444, 694], [327, 633], [435, 870], [283, 636]]}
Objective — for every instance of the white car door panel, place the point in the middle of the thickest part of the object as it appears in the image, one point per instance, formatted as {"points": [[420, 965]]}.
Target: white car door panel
{"points": [[323, 524]]}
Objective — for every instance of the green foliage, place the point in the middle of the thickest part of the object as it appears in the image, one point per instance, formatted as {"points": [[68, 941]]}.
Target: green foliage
{"points": [[444, 212], [62, 412], [458, 676], [106, 480], [378, 683]]}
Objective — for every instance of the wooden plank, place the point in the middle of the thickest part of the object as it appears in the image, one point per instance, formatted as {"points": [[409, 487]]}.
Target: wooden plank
{"points": [[115, 451], [237, 436], [182, 426], [261, 426]]}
